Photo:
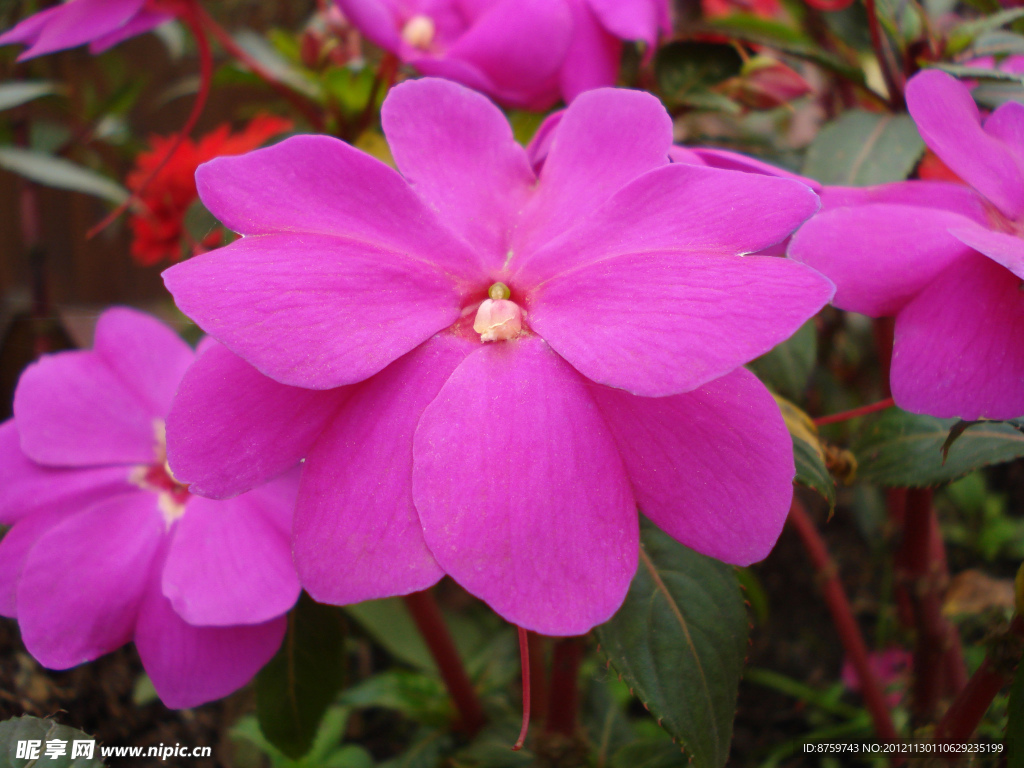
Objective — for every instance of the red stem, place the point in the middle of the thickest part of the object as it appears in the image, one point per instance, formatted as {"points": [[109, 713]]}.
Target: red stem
{"points": [[524, 662], [427, 615], [386, 74], [538, 681], [834, 418], [845, 624], [309, 109], [564, 695]]}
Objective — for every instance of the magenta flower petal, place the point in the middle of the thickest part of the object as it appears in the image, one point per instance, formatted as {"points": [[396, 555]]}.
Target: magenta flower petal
{"points": [[682, 208], [141, 23], [206, 446], [230, 562], [942, 195], [521, 491], [642, 321], [712, 467], [311, 194], [29, 488], [605, 140], [1007, 124], [950, 124], [879, 256], [73, 410], [15, 546], [71, 25], [957, 350], [357, 533], [193, 665], [633, 19], [375, 20], [1002, 248], [83, 581], [457, 151], [594, 54], [312, 310], [733, 161]]}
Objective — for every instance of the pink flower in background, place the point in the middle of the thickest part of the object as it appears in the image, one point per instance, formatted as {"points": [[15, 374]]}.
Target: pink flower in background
{"points": [[101, 23], [522, 53], [108, 547], [619, 307], [891, 667], [946, 259]]}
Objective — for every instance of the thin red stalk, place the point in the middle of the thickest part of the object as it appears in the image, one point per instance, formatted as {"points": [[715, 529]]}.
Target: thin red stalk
{"points": [[190, 14], [524, 661], [386, 74], [893, 79], [834, 418], [966, 711], [563, 702], [845, 624], [310, 110], [538, 677], [427, 615]]}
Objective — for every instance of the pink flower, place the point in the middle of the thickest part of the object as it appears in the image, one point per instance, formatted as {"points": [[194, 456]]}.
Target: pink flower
{"points": [[522, 53], [101, 23], [891, 667], [514, 465], [107, 546], [946, 259]]}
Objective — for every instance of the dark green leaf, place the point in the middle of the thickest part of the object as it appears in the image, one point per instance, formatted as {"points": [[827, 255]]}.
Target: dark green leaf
{"points": [[964, 34], [420, 697], [58, 172], [1015, 722], [427, 750], [648, 753], [787, 368], [679, 642], [902, 449], [687, 67], [977, 73], [199, 222], [389, 623], [18, 92], [863, 148], [43, 730], [298, 685], [807, 452]]}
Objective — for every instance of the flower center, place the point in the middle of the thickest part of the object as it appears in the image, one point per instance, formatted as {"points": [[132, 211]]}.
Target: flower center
{"points": [[498, 319], [172, 495], [419, 32]]}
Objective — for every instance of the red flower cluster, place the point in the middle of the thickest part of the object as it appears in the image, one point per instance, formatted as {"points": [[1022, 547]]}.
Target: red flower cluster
{"points": [[158, 227]]}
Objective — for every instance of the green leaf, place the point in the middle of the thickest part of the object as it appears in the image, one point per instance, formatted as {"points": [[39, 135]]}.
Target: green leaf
{"points": [[679, 641], [1015, 721], [964, 34], [687, 67], [389, 623], [807, 452], [902, 449], [18, 92], [43, 730], [298, 685], [976, 73], [420, 697], [788, 366], [863, 148], [58, 172]]}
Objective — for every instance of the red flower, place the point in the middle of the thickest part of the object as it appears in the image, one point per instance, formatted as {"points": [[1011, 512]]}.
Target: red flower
{"points": [[766, 9], [158, 229]]}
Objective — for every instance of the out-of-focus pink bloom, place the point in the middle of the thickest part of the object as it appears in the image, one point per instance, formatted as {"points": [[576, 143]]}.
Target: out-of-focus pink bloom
{"points": [[514, 465], [891, 667], [522, 53], [764, 83], [766, 9], [946, 259], [101, 23], [108, 547]]}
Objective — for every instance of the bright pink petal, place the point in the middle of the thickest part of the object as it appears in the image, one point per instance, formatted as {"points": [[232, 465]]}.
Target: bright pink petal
{"points": [[712, 467], [319, 185], [957, 350], [82, 582], [357, 534], [29, 488], [879, 256], [678, 207], [950, 125], [144, 353], [73, 410], [17, 543], [540, 144], [733, 161], [594, 55], [190, 665], [521, 491], [942, 195], [77, 23], [1002, 248], [375, 21], [1007, 124], [230, 562], [605, 140], [141, 23], [662, 323], [312, 310], [633, 19], [27, 30], [457, 150], [231, 428]]}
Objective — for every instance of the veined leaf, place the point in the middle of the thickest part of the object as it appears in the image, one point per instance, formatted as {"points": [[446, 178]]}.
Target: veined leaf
{"points": [[864, 148]]}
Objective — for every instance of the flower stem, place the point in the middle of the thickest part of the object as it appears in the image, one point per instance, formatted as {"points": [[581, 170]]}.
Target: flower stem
{"points": [[524, 661], [427, 615], [845, 624], [564, 691], [834, 418], [893, 78]]}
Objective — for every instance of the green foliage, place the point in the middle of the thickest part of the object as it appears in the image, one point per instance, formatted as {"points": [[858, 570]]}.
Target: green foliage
{"points": [[679, 641], [18, 92], [787, 368], [389, 623], [900, 449], [864, 148], [686, 69], [807, 452], [42, 730], [297, 686], [1015, 722], [58, 172], [327, 751]]}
